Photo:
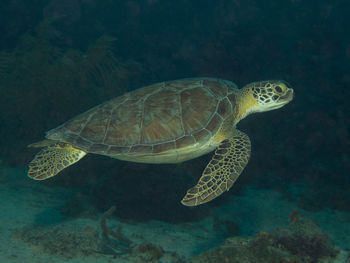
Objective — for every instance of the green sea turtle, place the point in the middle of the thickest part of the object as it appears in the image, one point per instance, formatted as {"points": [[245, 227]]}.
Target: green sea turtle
{"points": [[168, 122]]}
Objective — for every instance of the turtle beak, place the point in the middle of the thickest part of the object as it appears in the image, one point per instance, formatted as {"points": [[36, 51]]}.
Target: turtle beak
{"points": [[288, 96]]}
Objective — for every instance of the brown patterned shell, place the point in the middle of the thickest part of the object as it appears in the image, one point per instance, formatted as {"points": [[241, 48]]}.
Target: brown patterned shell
{"points": [[161, 117]]}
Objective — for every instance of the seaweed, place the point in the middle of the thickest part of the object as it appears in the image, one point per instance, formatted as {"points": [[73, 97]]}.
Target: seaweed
{"points": [[44, 82]]}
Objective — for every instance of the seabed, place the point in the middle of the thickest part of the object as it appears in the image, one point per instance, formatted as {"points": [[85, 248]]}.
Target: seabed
{"points": [[34, 230]]}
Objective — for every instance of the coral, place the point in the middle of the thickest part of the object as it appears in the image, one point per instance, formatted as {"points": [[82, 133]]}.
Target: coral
{"points": [[301, 241], [245, 250], [65, 240], [80, 238], [116, 244], [148, 252], [305, 239]]}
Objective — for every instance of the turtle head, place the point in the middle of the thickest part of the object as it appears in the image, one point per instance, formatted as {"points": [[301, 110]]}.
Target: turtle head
{"points": [[266, 95]]}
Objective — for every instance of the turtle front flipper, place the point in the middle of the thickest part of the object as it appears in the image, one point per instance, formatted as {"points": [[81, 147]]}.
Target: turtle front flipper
{"points": [[227, 164], [53, 159]]}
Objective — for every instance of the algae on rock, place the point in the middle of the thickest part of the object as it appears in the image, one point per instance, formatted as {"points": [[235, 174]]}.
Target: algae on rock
{"points": [[301, 241]]}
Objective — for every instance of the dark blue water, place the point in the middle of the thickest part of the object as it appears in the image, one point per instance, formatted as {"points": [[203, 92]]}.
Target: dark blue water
{"points": [[59, 58]]}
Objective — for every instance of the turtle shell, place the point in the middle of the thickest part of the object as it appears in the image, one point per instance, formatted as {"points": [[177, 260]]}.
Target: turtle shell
{"points": [[154, 119]]}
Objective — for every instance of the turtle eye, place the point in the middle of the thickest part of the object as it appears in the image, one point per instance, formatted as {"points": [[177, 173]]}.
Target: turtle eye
{"points": [[278, 89]]}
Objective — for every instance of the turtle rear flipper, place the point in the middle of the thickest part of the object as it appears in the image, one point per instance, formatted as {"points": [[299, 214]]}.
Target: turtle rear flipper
{"points": [[53, 159], [222, 171]]}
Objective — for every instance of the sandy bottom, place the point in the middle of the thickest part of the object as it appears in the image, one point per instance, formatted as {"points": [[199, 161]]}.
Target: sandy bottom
{"points": [[33, 230]]}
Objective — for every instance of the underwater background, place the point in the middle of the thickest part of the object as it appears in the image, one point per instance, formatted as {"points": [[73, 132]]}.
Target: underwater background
{"points": [[60, 58]]}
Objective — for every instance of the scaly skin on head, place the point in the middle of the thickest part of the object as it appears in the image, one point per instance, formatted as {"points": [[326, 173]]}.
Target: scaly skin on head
{"points": [[264, 96]]}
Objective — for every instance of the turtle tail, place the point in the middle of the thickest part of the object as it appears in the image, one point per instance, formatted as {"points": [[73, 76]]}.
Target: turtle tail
{"points": [[43, 143]]}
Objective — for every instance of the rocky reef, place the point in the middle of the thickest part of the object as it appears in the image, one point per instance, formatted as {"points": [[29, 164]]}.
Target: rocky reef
{"points": [[301, 241]]}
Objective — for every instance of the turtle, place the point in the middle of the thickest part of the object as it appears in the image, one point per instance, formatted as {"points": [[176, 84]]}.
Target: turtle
{"points": [[168, 122]]}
